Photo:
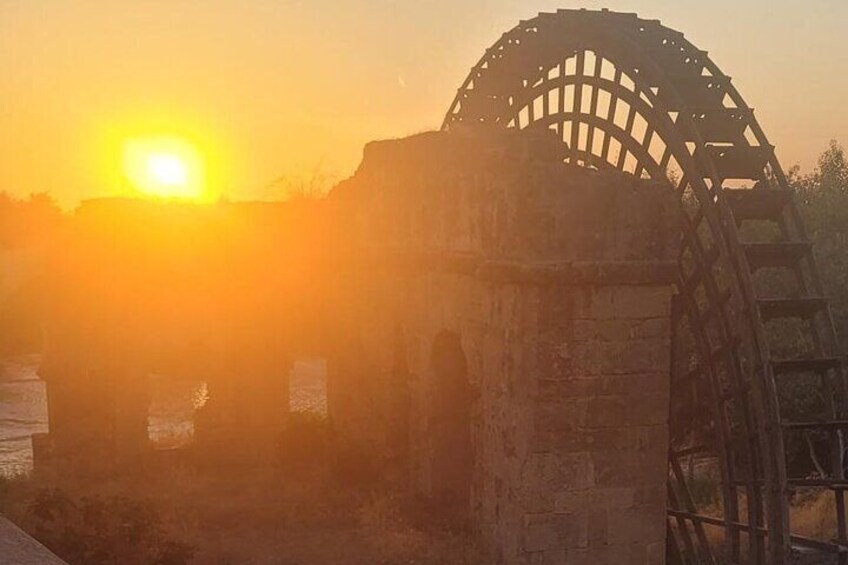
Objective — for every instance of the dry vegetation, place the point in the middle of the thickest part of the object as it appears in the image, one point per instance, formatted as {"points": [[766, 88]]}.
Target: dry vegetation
{"points": [[812, 513], [263, 516]]}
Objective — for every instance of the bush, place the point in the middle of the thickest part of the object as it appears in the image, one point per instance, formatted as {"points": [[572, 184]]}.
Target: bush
{"points": [[705, 490], [304, 446], [95, 530]]}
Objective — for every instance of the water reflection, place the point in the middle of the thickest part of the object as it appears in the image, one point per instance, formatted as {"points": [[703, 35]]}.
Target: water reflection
{"points": [[23, 412], [173, 402]]}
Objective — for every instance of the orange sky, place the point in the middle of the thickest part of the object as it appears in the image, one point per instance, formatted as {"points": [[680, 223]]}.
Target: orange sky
{"points": [[277, 88]]}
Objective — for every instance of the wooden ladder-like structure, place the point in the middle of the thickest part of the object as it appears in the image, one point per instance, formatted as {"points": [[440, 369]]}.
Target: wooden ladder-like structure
{"points": [[805, 304], [632, 95]]}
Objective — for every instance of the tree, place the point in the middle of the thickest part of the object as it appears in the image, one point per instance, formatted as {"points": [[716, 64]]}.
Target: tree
{"points": [[28, 223], [28, 228], [823, 198]]}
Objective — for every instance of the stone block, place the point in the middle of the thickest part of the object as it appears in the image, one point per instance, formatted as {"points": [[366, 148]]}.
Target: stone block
{"points": [[618, 329], [642, 301], [637, 525], [603, 330], [569, 501], [587, 386], [554, 557], [613, 498], [574, 528], [601, 555], [650, 495], [554, 359], [610, 357], [656, 553], [541, 533], [632, 410], [548, 473], [598, 527], [596, 303], [550, 390], [651, 328], [632, 384], [628, 468], [547, 532], [549, 557], [632, 441], [562, 416]]}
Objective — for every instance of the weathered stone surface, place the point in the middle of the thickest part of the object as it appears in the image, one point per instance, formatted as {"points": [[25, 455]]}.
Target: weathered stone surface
{"points": [[551, 531], [636, 525], [557, 282], [552, 282]]}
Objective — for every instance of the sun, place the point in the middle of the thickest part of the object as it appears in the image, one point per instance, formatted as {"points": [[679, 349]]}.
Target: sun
{"points": [[167, 170], [165, 167]]}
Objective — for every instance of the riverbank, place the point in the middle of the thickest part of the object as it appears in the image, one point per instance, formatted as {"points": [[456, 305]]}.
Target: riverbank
{"points": [[23, 412], [173, 402], [182, 515]]}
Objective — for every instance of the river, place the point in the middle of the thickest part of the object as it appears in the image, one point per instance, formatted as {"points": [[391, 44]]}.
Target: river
{"points": [[23, 406]]}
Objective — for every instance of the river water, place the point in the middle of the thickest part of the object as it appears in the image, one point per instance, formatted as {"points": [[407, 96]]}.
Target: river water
{"points": [[23, 406]]}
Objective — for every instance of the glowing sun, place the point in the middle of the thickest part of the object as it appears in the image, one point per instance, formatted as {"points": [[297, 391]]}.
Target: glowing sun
{"points": [[166, 167]]}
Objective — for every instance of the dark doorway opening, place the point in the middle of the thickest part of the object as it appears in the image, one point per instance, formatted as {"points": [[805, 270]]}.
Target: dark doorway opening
{"points": [[450, 426]]}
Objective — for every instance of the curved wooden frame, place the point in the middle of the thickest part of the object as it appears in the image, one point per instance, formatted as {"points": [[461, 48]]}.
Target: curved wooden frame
{"points": [[709, 132]]}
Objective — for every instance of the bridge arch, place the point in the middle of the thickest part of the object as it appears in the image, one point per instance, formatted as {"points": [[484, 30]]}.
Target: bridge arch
{"points": [[630, 94]]}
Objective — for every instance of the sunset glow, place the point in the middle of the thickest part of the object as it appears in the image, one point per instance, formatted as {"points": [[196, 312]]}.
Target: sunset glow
{"points": [[483, 282], [164, 167]]}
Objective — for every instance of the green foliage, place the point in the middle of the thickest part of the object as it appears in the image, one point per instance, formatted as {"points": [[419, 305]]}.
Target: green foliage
{"points": [[705, 490], [823, 198], [824, 192], [95, 530]]}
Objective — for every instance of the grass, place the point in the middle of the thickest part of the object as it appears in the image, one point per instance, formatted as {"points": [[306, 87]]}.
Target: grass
{"points": [[812, 514]]}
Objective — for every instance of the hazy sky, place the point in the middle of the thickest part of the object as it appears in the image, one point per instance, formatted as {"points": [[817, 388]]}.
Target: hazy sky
{"points": [[274, 88]]}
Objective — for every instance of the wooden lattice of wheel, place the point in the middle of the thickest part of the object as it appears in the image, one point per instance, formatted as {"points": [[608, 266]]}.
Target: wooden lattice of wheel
{"points": [[761, 412]]}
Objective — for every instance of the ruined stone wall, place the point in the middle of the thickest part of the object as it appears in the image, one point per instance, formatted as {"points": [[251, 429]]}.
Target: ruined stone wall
{"points": [[495, 324], [556, 282], [229, 293]]}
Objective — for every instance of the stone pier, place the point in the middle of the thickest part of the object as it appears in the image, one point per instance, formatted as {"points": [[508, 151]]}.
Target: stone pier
{"points": [[532, 300]]}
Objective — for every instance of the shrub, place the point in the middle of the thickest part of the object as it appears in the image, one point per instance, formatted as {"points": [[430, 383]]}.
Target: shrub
{"points": [[304, 446], [96, 530]]}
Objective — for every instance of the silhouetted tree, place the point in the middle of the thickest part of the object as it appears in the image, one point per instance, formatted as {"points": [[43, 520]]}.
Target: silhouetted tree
{"points": [[28, 228], [28, 222]]}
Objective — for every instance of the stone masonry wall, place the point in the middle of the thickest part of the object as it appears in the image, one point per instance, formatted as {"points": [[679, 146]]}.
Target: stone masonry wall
{"points": [[556, 281], [599, 444]]}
